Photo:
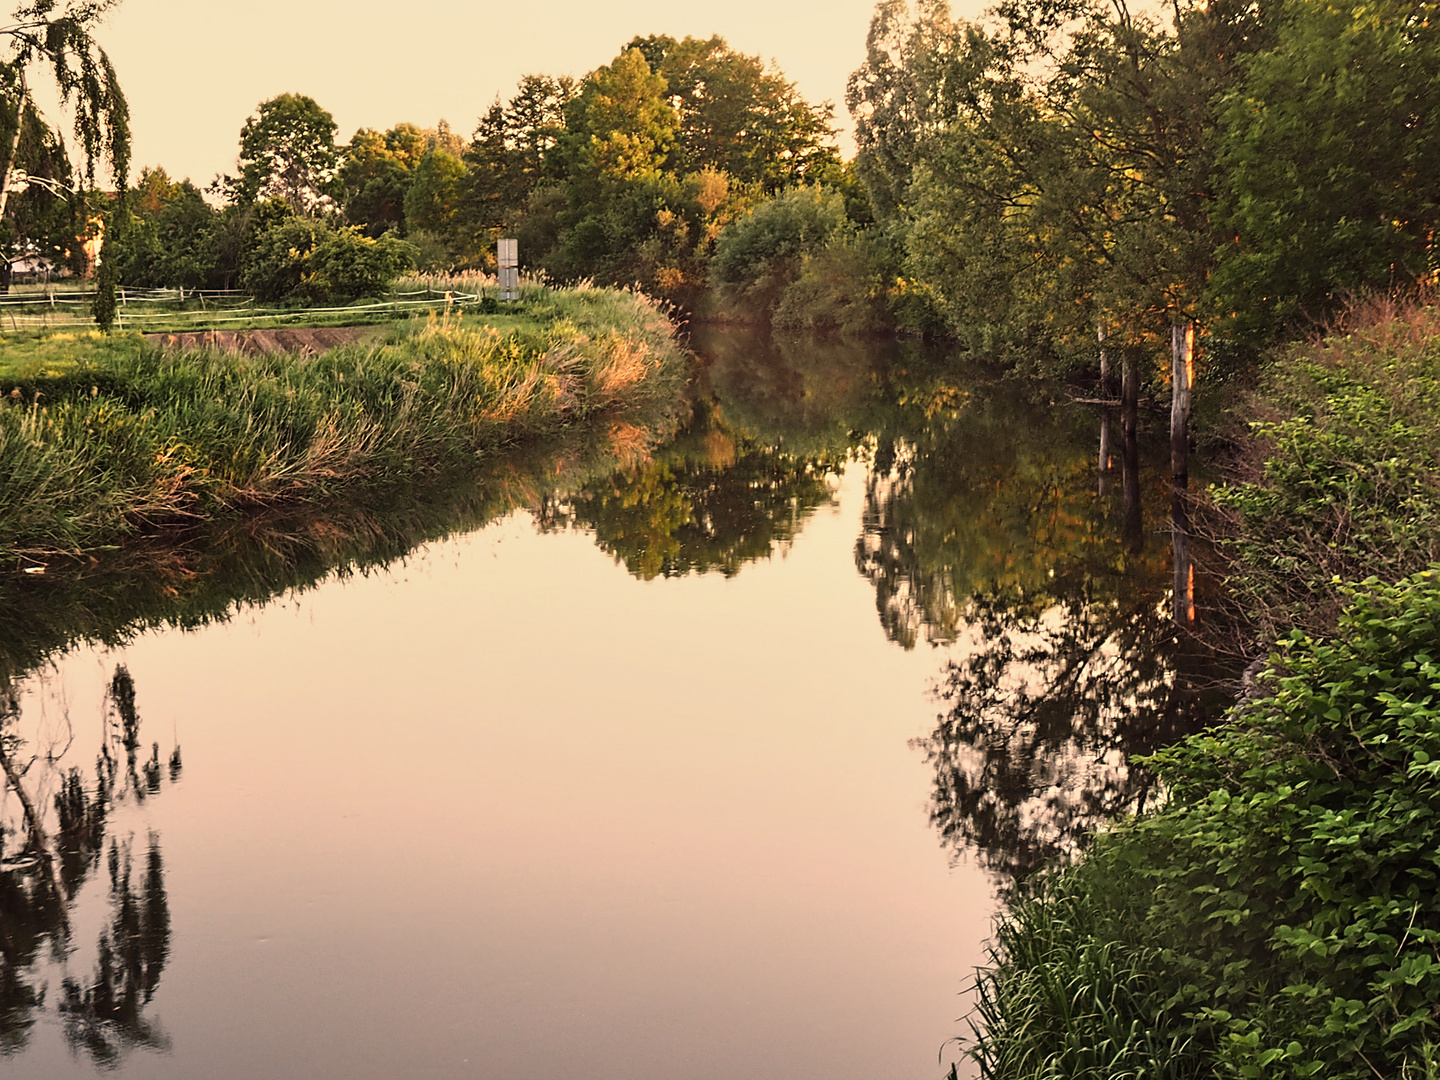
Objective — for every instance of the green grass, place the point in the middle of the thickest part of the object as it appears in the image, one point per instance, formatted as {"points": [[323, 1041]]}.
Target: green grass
{"points": [[104, 439]]}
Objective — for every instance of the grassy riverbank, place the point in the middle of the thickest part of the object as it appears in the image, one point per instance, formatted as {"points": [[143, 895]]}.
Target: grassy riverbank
{"points": [[104, 439], [1277, 917]]}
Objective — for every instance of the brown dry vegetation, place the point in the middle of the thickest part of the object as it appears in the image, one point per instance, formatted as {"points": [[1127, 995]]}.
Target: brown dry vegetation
{"points": [[1338, 477]]}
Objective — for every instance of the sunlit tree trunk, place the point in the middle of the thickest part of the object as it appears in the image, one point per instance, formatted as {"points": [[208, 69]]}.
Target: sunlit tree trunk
{"points": [[1182, 353]]}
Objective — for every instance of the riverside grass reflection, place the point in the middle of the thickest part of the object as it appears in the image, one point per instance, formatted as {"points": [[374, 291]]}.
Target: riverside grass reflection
{"points": [[57, 829]]}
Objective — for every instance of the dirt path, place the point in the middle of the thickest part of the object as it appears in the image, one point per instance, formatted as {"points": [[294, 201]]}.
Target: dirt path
{"points": [[286, 339]]}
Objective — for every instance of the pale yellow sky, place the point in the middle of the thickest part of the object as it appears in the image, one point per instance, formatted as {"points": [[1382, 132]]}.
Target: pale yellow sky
{"points": [[194, 71]]}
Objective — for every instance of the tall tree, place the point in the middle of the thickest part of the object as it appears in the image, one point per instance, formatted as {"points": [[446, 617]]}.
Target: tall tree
{"points": [[620, 126], [375, 174], [1055, 167], [287, 151], [506, 158], [737, 117], [1330, 152]]}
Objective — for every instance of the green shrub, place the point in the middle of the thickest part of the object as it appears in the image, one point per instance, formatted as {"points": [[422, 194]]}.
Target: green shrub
{"points": [[1277, 918], [1341, 477], [759, 253], [305, 259]]}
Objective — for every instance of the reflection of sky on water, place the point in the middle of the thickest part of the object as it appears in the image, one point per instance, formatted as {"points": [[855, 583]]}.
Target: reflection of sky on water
{"points": [[515, 806], [507, 803]]}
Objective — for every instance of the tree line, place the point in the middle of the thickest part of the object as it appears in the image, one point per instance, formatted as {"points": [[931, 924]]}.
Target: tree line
{"points": [[1052, 172], [1063, 168], [626, 176]]}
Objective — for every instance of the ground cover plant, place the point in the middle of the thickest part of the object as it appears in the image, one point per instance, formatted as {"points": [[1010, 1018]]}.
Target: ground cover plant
{"points": [[1338, 476], [1277, 917], [102, 439]]}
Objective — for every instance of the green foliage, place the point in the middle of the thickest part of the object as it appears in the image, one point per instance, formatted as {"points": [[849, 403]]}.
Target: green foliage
{"points": [[1330, 159], [759, 253], [58, 33], [1342, 478], [1276, 917], [433, 197], [837, 287], [303, 259], [735, 117], [1059, 166], [287, 152], [618, 127], [137, 439], [507, 159], [629, 176], [375, 175], [171, 237], [43, 217]]}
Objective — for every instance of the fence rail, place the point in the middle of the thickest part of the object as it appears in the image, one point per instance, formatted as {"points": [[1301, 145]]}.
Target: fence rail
{"points": [[70, 307]]}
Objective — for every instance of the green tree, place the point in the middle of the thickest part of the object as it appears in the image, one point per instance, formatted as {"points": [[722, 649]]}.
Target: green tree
{"points": [[1330, 154], [304, 258], [507, 157], [43, 217], [1054, 169], [58, 34], [172, 236], [287, 151], [619, 127], [760, 253], [738, 118], [375, 174], [436, 189]]}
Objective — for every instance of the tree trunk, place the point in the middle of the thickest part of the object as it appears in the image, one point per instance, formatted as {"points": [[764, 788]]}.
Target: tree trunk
{"points": [[1105, 452], [1107, 382], [1184, 584], [1182, 355]]}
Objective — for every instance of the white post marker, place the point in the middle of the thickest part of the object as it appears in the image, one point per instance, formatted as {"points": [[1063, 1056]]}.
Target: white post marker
{"points": [[507, 256]]}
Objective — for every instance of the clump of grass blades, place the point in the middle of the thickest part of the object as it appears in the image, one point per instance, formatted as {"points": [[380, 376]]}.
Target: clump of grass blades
{"points": [[138, 440], [1065, 996]]}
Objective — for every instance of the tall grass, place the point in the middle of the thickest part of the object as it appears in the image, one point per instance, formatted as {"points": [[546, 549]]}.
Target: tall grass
{"points": [[128, 440]]}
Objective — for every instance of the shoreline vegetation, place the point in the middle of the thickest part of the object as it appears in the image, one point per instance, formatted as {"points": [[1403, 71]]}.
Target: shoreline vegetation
{"points": [[104, 440], [1275, 916]]}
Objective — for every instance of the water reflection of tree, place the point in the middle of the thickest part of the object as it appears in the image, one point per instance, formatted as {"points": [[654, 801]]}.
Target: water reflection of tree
{"points": [[983, 528], [712, 499], [48, 853]]}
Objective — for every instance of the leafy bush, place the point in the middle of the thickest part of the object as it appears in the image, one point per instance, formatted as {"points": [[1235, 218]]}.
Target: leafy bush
{"points": [[757, 254], [1277, 917], [1341, 477], [304, 259]]}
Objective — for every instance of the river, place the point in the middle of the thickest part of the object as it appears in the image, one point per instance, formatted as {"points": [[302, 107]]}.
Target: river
{"points": [[705, 759]]}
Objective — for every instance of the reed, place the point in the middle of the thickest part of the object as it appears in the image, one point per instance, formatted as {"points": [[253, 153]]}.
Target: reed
{"points": [[102, 440]]}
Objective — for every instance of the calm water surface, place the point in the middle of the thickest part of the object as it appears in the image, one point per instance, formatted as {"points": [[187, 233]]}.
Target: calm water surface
{"points": [[705, 759]]}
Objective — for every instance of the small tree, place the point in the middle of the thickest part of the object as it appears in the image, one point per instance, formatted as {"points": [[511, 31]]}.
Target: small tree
{"points": [[57, 34]]}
